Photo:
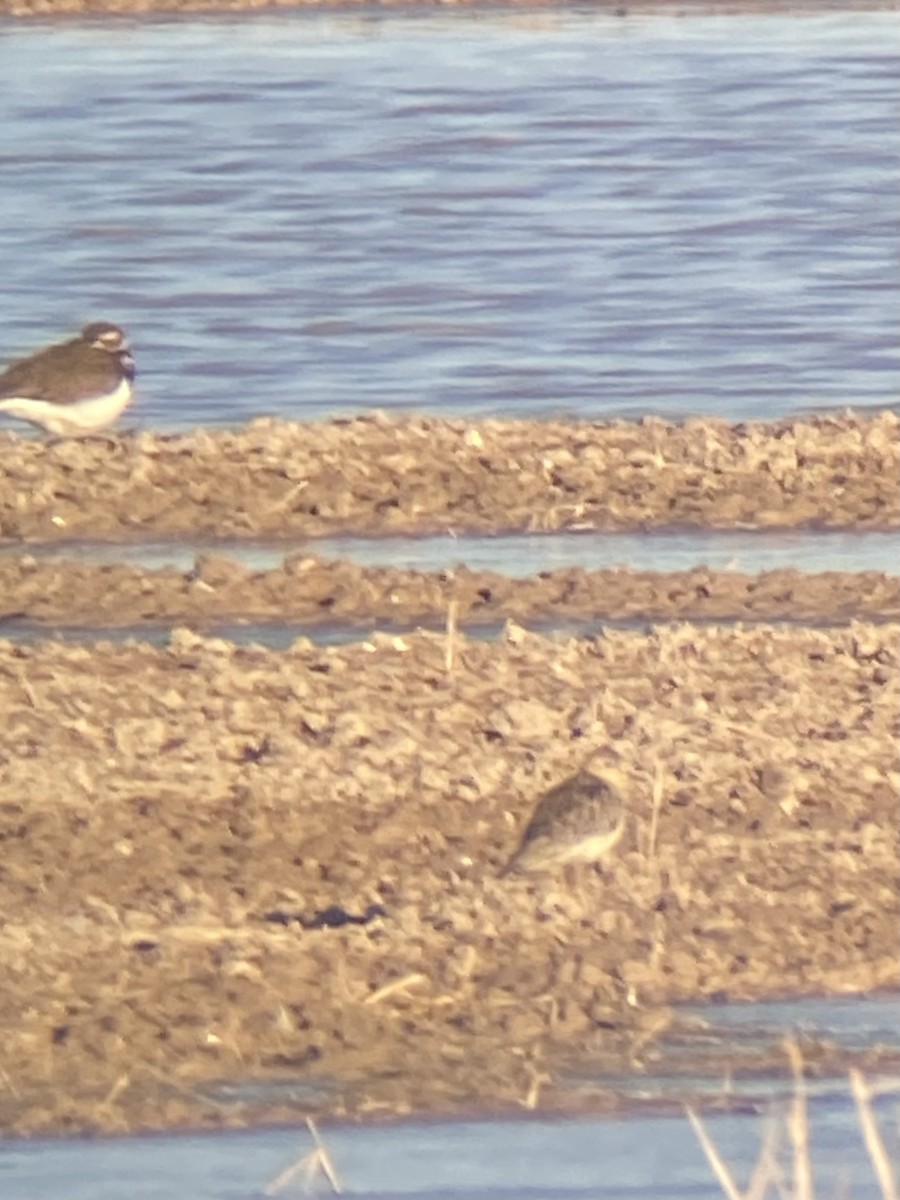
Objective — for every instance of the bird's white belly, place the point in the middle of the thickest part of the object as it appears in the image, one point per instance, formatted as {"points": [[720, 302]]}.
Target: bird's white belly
{"points": [[79, 416], [592, 849]]}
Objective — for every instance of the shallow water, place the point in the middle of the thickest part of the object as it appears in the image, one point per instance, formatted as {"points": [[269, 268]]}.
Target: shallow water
{"points": [[519, 555], [492, 213], [684, 1067], [648, 1157], [516, 555], [641, 1156], [282, 635]]}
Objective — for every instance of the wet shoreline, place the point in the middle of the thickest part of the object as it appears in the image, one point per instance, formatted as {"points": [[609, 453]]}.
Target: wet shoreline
{"points": [[315, 593]]}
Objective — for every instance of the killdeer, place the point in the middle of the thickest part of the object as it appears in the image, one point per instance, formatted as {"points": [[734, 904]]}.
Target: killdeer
{"points": [[75, 387], [580, 820]]}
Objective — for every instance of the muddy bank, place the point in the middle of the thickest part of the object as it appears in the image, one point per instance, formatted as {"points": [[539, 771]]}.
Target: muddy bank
{"points": [[184, 832], [374, 475], [312, 591]]}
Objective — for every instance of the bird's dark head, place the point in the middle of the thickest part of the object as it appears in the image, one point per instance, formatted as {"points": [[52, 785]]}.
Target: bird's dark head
{"points": [[602, 766], [102, 335]]}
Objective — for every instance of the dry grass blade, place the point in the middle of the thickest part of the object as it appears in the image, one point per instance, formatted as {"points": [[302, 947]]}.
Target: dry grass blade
{"points": [[283, 1178], [798, 1126], [538, 1078], [720, 1170], [766, 1169], [324, 1158], [872, 1135], [657, 804], [396, 985], [309, 1164], [450, 650]]}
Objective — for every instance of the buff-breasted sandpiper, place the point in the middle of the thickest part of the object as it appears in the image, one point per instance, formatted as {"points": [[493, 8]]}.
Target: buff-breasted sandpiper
{"points": [[581, 819]]}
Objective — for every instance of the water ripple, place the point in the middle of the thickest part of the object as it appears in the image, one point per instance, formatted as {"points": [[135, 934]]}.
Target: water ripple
{"points": [[561, 213]]}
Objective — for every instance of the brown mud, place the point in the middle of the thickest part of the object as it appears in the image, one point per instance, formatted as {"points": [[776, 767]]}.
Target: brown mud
{"points": [[307, 590], [374, 475], [184, 831]]}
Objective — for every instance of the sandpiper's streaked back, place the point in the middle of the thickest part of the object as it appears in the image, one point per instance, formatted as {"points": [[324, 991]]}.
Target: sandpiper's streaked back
{"points": [[579, 820], [74, 387]]}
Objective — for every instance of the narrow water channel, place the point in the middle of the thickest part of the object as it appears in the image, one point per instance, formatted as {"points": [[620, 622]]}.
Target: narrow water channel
{"points": [[646, 1155]]}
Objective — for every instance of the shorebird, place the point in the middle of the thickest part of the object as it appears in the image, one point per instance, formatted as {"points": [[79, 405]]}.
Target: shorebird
{"points": [[74, 387], [579, 820]]}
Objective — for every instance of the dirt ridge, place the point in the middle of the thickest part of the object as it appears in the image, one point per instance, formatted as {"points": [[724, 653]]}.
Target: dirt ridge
{"points": [[374, 475], [315, 592]]}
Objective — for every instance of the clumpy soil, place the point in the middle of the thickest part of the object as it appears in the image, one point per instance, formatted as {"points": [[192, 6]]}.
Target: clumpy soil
{"points": [[314, 592], [225, 863], [374, 475], [225, 866]]}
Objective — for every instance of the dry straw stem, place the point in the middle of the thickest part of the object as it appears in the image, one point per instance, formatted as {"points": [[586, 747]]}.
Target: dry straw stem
{"points": [[862, 1095], [657, 804], [29, 693], [396, 985], [718, 1164], [317, 1160], [450, 651], [767, 1169], [798, 1125], [538, 1079]]}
